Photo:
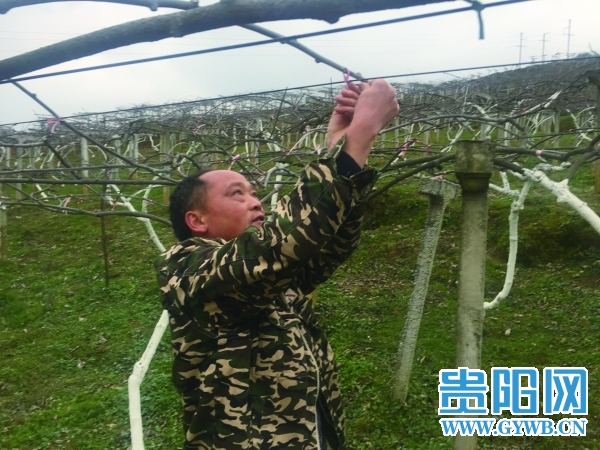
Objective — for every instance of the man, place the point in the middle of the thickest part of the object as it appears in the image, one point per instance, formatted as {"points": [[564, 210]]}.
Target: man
{"points": [[251, 363]]}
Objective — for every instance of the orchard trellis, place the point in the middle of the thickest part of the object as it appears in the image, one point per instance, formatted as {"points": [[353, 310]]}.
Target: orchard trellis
{"points": [[121, 158], [113, 164], [124, 156], [256, 131]]}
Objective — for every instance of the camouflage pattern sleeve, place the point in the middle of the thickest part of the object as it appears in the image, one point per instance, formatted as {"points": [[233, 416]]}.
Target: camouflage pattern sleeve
{"points": [[343, 243]]}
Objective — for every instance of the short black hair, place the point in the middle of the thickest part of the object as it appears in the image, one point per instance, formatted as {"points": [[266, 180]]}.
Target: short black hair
{"points": [[190, 193]]}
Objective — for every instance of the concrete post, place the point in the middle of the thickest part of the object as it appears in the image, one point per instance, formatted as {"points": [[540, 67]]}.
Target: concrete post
{"points": [[50, 159], [426, 137], [594, 78], [34, 152], [3, 224], [134, 154], [557, 128], [501, 134], [19, 186], [116, 173], [135, 149], [524, 138], [3, 232], [85, 161], [165, 150], [8, 157], [474, 168], [440, 192], [3, 216], [258, 129], [85, 157]]}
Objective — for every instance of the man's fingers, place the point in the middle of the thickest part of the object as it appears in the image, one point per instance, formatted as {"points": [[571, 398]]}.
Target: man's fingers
{"points": [[348, 93], [344, 109], [346, 101], [353, 88], [357, 88]]}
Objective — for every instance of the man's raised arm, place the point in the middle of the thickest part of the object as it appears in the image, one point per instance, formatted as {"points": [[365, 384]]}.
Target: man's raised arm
{"points": [[361, 113]]}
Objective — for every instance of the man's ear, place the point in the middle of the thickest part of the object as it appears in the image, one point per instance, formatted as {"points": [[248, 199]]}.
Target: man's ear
{"points": [[194, 219]]}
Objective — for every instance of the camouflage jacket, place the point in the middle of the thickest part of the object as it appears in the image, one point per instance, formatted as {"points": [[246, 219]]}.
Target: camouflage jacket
{"points": [[251, 362]]}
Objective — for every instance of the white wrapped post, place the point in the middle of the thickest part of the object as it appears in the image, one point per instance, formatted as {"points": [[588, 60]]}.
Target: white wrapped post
{"points": [[135, 380]]}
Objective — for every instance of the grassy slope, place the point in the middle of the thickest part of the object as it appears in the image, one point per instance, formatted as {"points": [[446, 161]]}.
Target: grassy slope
{"points": [[68, 343]]}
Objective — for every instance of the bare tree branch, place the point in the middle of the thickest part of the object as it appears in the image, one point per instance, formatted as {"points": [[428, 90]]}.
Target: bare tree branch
{"points": [[90, 182], [89, 138], [254, 133], [33, 144], [428, 165], [7, 5], [220, 15], [85, 212]]}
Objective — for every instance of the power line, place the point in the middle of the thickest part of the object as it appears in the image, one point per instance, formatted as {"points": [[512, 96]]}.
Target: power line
{"points": [[310, 86], [282, 39]]}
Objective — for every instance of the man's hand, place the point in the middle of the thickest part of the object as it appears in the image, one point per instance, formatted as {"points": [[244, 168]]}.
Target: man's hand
{"points": [[361, 113], [342, 113]]}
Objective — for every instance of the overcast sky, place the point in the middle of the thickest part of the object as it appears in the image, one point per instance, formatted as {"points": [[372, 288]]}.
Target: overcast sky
{"points": [[443, 43]]}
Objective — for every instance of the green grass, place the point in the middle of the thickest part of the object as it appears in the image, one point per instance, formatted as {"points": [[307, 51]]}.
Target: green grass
{"points": [[68, 342]]}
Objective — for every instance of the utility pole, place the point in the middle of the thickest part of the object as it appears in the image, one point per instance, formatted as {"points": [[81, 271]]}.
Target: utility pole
{"points": [[568, 39], [520, 48], [544, 46]]}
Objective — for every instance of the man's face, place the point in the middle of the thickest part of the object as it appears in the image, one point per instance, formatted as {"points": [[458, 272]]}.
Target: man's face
{"points": [[231, 205]]}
